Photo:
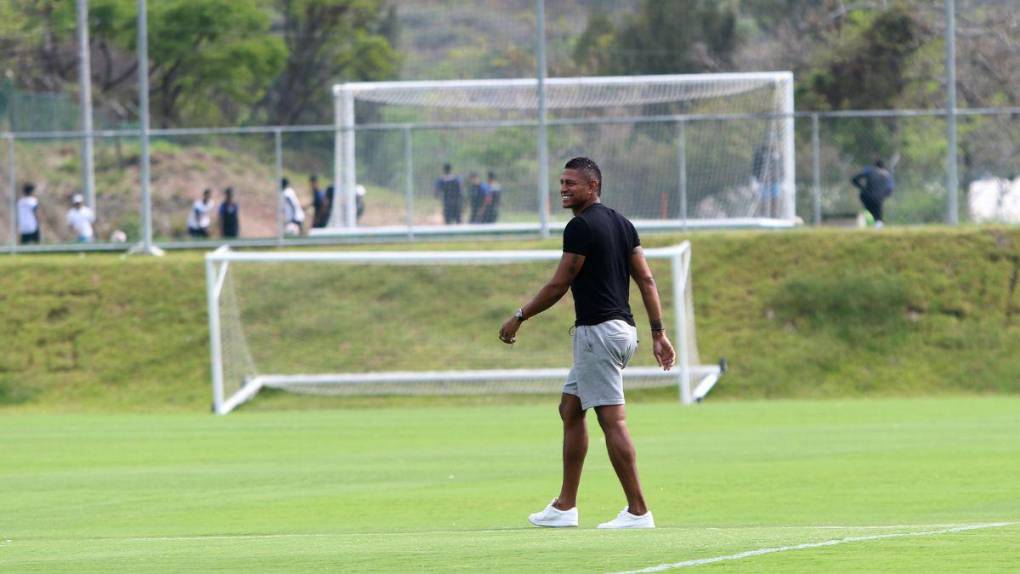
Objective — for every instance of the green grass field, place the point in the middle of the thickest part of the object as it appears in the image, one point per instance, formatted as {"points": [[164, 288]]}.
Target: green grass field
{"points": [[448, 488]]}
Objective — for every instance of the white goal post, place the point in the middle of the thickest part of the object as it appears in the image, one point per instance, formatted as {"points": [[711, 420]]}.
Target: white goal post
{"points": [[258, 320], [679, 151]]}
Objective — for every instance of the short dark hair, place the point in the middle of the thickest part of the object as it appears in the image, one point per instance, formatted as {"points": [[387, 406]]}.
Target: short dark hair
{"points": [[447, 167], [879, 163], [492, 175], [284, 182], [28, 189], [313, 177], [589, 168]]}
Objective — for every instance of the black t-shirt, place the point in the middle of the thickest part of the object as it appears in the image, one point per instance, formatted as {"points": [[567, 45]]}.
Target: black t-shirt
{"points": [[602, 288]]}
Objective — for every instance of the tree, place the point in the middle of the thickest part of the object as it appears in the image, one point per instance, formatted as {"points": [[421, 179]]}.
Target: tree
{"points": [[211, 59], [682, 36], [868, 67], [329, 41]]}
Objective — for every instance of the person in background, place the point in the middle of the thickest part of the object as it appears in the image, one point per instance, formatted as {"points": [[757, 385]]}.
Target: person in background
{"points": [[80, 219], [330, 203], [876, 185], [293, 213], [359, 200], [320, 203], [767, 171], [448, 189], [230, 224], [28, 215], [199, 218], [493, 194], [476, 197]]}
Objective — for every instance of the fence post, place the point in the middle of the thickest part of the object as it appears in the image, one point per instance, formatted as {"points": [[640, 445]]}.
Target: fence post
{"points": [[146, 247], [816, 168], [350, 162], [278, 163], [12, 184], [543, 135], [409, 180], [681, 166], [952, 181]]}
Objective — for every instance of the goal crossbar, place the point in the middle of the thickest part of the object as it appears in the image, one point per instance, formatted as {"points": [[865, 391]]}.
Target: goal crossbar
{"points": [[416, 257]]}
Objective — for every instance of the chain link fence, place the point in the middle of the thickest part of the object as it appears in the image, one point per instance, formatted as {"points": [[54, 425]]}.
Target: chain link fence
{"points": [[830, 149]]}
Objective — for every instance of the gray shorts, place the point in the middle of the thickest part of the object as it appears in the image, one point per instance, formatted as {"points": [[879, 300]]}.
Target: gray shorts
{"points": [[600, 354]]}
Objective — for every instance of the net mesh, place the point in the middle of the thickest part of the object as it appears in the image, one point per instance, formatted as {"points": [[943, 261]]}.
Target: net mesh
{"points": [[426, 328], [671, 148]]}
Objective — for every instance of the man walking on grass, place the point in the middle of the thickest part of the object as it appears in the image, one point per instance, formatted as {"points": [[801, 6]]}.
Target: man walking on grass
{"points": [[601, 252]]}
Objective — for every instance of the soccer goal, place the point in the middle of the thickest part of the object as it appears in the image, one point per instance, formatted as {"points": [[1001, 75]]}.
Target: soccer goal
{"points": [[676, 151], [420, 322]]}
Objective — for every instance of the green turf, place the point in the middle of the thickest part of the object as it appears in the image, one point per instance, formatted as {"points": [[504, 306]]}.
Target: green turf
{"points": [[448, 489]]}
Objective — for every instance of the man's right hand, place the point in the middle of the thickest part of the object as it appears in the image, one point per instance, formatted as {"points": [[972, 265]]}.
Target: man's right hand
{"points": [[663, 350]]}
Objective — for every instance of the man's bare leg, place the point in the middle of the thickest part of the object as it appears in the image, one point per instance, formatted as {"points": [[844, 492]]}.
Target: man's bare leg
{"points": [[575, 448], [613, 419]]}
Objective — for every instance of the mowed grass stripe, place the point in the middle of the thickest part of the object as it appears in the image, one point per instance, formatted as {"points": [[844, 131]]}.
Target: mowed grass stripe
{"points": [[79, 492]]}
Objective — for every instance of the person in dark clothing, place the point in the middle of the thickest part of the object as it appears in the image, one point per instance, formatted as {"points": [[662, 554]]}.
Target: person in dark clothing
{"points": [[876, 185], [493, 195], [230, 223], [448, 189], [476, 193], [320, 203], [601, 253], [330, 202], [767, 170]]}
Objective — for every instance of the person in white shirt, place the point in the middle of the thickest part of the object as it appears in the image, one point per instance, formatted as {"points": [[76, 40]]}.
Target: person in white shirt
{"points": [[28, 218], [80, 219], [293, 213], [199, 218]]}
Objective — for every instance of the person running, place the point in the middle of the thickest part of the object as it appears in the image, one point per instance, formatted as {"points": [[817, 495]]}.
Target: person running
{"points": [[876, 185], [601, 253], [28, 215]]}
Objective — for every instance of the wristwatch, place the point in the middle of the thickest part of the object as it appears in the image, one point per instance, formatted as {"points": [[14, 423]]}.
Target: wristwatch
{"points": [[520, 314]]}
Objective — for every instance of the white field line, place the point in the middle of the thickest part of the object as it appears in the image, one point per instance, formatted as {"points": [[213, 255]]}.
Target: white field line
{"points": [[943, 528], [835, 542]]}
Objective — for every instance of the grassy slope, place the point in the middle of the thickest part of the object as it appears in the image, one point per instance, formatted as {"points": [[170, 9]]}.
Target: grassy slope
{"points": [[799, 314], [448, 489]]}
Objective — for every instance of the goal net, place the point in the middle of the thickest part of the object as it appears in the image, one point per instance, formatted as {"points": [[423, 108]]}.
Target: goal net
{"points": [[676, 151], [424, 322]]}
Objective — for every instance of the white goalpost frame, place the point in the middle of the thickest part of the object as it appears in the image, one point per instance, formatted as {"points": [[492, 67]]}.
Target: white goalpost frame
{"points": [[218, 264], [345, 159]]}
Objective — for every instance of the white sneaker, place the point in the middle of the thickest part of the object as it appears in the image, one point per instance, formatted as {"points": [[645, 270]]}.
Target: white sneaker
{"points": [[553, 517], [627, 520]]}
